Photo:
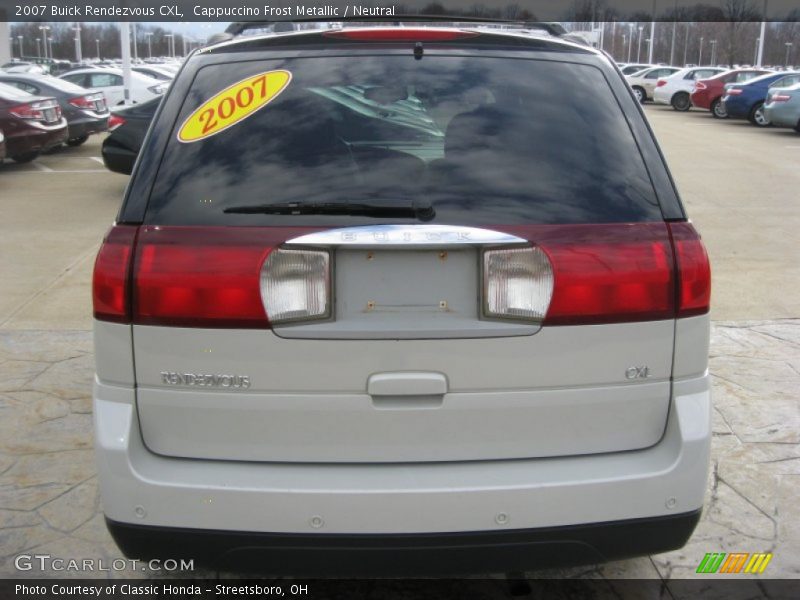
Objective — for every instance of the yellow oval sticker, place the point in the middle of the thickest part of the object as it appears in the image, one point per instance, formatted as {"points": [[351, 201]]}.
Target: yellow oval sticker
{"points": [[233, 104]]}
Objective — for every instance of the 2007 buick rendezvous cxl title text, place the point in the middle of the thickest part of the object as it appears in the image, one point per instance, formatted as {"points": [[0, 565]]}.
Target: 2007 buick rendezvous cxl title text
{"points": [[401, 301]]}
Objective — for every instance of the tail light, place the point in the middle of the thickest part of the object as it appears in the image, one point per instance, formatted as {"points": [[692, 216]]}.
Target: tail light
{"points": [[661, 82], [694, 271], [111, 279], [35, 111], [424, 34], [780, 98], [608, 273], [699, 85], [87, 102], [240, 276], [296, 285], [734, 91], [115, 121], [199, 277], [517, 284]]}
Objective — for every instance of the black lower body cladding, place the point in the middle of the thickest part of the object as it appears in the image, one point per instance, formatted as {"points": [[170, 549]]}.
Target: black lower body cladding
{"points": [[408, 555]]}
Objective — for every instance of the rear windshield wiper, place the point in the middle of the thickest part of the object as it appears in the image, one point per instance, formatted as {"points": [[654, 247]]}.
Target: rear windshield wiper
{"points": [[417, 210]]}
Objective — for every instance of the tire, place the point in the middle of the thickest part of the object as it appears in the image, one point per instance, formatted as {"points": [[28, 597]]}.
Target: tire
{"points": [[757, 116], [78, 141], [25, 158], [640, 94], [681, 102], [718, 109]]}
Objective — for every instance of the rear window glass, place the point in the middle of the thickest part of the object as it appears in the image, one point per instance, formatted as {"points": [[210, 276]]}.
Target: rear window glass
{"points": [[480, 140]]}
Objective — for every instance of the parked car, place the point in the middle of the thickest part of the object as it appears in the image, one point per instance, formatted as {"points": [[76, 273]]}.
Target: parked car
{"points": [[18, 66], [85, 110], [632, 68], [643, 82], [675, 89], [746, 100], [708, 93], [128, 127], [2, 146], [155, 71], [363, 290], [782, 106], [31, 124], [109, 81]]}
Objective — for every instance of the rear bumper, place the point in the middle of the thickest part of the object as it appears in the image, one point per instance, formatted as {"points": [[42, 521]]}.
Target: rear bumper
{"points": [[341, 555], [87, 126], [783, 115], [32, 139], [326, 501], [735, 108]]}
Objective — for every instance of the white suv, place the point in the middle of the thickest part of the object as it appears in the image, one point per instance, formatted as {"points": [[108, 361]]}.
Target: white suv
{"points": [[384, 300]]}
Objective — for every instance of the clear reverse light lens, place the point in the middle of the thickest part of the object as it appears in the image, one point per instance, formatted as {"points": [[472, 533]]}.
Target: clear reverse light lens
{"points": [[517, 283], [295, 285]]}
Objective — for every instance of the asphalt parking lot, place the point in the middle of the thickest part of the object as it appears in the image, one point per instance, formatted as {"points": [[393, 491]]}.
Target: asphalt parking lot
{"points": [[739, 184]]}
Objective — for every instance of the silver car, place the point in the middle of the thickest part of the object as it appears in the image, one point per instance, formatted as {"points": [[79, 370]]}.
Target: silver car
{"points": [[388, 300], [782, 106]]}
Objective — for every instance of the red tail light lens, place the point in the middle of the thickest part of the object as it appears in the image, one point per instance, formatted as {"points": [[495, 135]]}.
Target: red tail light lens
{"points": [[422, 34], [694, 270], [734, 91], [700, 86], [780, 98], [661, 82], [608, 273], [111, 279], [87, 102], [38, 111], [115, 121], [200, 277]]}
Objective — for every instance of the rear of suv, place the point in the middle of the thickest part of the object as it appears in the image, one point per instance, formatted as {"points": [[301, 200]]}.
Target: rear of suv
{"points": [[390, 301]]}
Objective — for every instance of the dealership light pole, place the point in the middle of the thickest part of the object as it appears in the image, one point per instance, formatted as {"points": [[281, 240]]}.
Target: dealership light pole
{"points": [[652, 34], [630, 40], [639, 45], [135, 49], [624, 40], [97, 43], [125, 48], [700, 58], [43, 29], [755, 52], [21, 52], [686, 45], [788, 49], [78, 50], [149, 35], [713, 52], [38, 48], [760, 54], [170, 47]]}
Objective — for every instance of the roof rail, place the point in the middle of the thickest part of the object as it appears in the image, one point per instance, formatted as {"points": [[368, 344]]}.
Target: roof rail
{"points": [[554, 29]]}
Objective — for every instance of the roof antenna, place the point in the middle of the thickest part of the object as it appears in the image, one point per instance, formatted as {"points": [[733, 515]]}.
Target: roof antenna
{"points": [[418, 51]]}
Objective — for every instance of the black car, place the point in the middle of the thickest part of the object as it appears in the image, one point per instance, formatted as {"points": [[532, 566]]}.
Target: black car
{"points": [[127, 126], [31, 124], [85, 110]]}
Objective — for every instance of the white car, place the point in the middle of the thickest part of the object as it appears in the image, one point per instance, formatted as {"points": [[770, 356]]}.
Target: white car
{"points": [[676, 89], [155, 71], [109, 81], [362, 328], [643, 82]]}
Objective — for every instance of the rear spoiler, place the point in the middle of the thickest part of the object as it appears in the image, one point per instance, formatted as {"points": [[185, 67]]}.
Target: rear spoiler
{"points": [[240, 27]]}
